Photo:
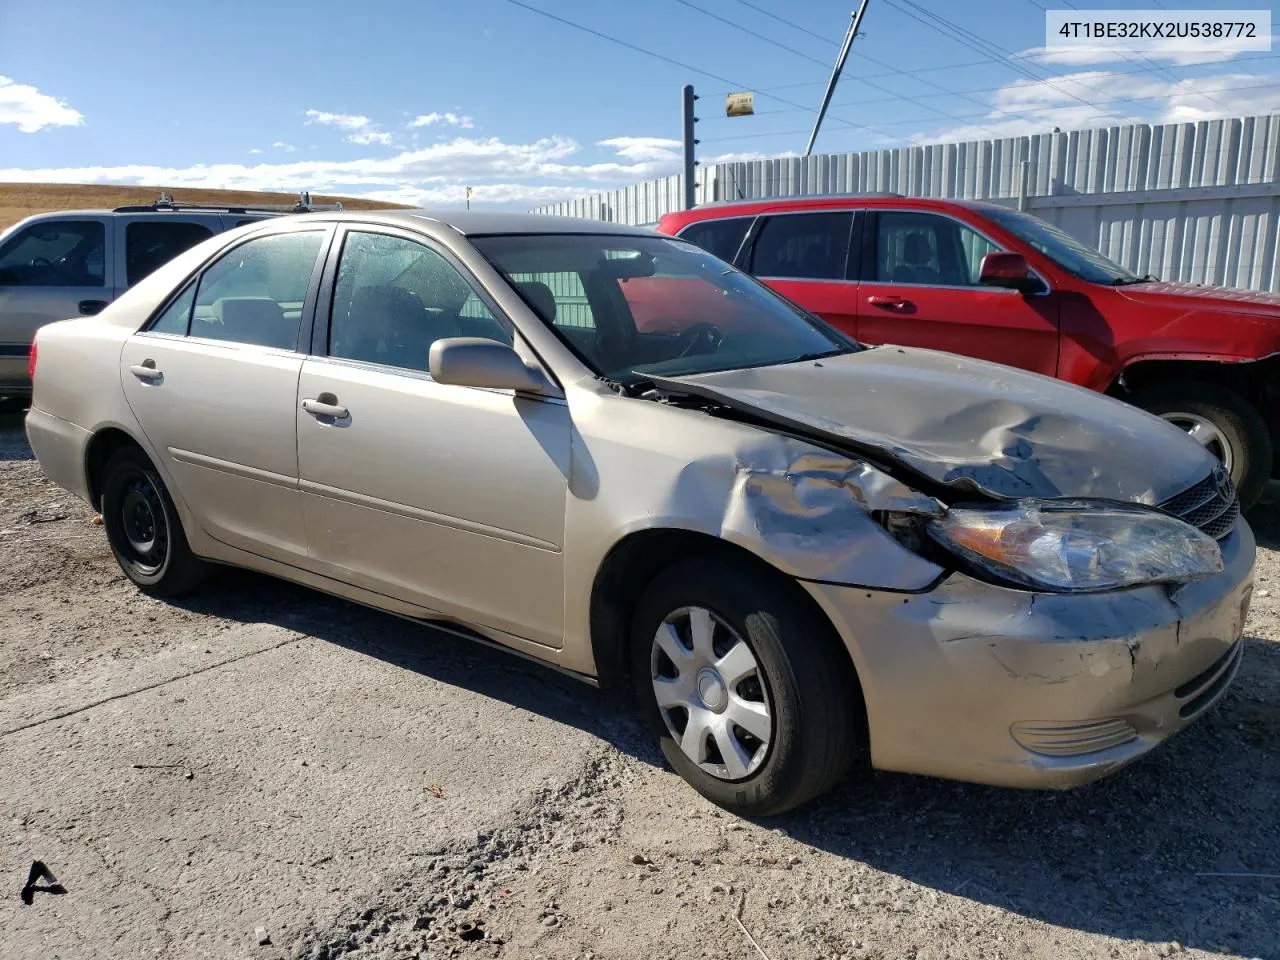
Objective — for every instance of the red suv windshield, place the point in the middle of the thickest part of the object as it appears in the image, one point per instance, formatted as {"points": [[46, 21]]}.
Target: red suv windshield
{"points": [[1062, 248]]}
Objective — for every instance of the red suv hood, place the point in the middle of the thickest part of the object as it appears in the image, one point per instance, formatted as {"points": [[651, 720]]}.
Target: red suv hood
{"points": [[1192, 295]]}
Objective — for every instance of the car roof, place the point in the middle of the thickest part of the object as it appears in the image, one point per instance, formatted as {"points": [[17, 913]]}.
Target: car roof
{"points": [[746, 208], [474, 223]]}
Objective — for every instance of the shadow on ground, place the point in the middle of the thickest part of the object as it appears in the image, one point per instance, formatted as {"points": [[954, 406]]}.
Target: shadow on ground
{"points": [[1122, 858]]}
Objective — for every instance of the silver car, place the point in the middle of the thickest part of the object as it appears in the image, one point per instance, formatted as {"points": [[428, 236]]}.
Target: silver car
{"points": [[612, 452]]}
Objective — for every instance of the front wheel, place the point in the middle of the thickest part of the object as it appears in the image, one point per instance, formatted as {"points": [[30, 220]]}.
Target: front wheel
{"points": [[749, 690], [143, 527], [1224, 422]]}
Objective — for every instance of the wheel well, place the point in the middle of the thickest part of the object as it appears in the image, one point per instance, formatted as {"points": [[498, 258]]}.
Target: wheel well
{"points": [[1255, 380], [632, 565], [101, 447], [1258, 381]]}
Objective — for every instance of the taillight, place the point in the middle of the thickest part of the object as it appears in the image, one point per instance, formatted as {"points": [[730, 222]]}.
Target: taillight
{"points": [[31, 363]]}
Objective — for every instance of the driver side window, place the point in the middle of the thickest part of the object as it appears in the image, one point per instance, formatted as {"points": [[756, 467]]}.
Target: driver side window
{"points": [[395, 297], [64, 253]]}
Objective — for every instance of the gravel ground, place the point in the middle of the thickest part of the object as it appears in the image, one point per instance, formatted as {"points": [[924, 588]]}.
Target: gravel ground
{"points": [[263, 763]]}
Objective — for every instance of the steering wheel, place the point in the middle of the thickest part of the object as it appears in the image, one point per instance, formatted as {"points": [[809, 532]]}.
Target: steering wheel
{"points": [[691, 336]]}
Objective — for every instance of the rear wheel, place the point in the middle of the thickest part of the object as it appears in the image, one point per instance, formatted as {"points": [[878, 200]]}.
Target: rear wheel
{"points": [[1224, 422], [144, 529], [748, 689]]}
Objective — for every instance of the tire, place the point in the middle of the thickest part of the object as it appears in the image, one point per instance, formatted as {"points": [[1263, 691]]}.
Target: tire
{"points": [[803, 678], [1239, 425], [135, 502]]}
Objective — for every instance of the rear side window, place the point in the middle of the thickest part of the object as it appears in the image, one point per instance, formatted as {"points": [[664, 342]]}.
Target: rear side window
{"points": [[720, 238], [61, 253], [149, 244], [803, 246], [177, 315], [255, 293]]}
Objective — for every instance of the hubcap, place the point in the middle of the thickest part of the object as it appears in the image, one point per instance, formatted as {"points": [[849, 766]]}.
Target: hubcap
{"points": [[711, 692], [142, 521], [1205, 432]]}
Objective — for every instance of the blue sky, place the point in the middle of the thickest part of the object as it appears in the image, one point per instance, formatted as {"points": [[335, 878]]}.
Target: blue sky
{"points": [[413, 101]]}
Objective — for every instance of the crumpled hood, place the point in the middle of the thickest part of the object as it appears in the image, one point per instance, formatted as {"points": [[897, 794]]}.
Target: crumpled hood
{"points": [[968, 424]]}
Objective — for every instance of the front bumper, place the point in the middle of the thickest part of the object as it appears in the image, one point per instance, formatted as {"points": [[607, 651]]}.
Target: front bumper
{"points": [[995, 685]]}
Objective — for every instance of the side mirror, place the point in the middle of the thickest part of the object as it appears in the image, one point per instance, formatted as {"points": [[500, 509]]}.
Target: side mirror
{"points": [[1008, 270], [479, 362]]}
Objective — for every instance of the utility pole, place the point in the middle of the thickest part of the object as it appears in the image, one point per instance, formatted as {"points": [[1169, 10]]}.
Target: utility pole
{"points": [[835, 73], [687, 97]]}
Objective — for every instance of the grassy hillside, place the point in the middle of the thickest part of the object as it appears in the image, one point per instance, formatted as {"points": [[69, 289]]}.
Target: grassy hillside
{"points": [[18, 200]]}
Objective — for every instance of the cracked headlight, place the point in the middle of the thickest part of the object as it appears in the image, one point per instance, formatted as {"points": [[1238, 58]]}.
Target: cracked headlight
{"points": [[1077, 545]]}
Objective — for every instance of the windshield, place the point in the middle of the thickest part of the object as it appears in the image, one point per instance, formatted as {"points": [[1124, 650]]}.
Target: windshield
{"points": [[1062, 248], [638, 307]]}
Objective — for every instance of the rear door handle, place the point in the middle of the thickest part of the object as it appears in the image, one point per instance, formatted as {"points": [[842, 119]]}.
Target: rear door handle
{"points": [[89, 307], [889, 303], [146, 370], [326, 407]]}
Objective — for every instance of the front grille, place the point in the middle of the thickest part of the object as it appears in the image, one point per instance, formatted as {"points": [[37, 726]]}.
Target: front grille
{"points": [[1211, 505]]}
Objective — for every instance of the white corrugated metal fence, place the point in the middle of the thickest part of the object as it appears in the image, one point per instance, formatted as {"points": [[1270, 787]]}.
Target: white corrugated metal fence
{"points": [[1190, 201]]}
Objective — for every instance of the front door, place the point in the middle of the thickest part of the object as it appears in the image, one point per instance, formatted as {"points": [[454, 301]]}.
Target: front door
{"points": [[920, 289], [213, 381], [448, 497], [50, 270]]}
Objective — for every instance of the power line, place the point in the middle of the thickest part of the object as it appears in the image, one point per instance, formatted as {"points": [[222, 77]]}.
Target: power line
{"points": [[798, 53], [948, 93], [752, 33], [986, 116], [794, 26], [994, 52], [685, 66]]}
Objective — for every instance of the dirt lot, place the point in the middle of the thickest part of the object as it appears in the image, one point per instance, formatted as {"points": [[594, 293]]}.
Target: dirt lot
{"points": [[266, 763]]}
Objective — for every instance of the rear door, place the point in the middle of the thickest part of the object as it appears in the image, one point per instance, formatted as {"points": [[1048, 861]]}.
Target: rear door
{"points": [[920, 288], [213, 380], [805, 257], [50, 270], [144, 242]]}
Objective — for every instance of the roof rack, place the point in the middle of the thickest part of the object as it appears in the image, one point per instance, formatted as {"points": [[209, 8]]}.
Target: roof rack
{"points": [[166, 202]]}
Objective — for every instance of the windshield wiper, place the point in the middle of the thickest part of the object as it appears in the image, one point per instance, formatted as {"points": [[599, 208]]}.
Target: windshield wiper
{"points": [[1129, 281]]}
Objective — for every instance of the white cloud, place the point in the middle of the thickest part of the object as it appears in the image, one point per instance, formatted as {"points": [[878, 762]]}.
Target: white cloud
{"points": [[1091, 98], [286, 147], [254, 150], [347, 121], [644, 149], [360, 129], [1100, 53], [371, 136], [540, 171], [31, 110], [448, 119]]}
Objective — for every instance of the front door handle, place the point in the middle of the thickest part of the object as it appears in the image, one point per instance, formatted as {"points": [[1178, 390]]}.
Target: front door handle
{"points": [[89, 307], [889, 303], [146, 370], [326, 407]]}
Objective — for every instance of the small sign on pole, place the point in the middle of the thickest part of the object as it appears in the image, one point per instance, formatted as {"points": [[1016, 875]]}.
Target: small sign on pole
{"points": [[740, 104]]}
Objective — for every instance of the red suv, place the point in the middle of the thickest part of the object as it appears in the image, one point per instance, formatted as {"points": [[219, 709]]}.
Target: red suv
{"points": [[991, 282]]}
